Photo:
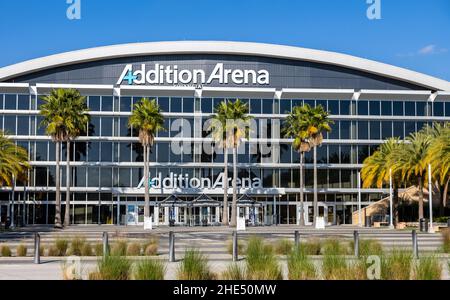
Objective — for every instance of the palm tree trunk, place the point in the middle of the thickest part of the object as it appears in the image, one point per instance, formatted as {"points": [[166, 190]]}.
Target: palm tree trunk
{"points": [[315, 186], [444, 198], [302, 193], [68, 183], [420, 197], [146, 183], [58, 188], [234, 206], [225, 188], [395, 200]]}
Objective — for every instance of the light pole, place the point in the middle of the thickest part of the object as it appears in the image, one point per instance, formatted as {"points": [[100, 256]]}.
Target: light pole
{"points": [[430, 200], [359, 200], [391, 223]]}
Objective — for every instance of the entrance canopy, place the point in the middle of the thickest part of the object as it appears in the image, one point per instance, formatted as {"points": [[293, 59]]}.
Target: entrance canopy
{"points": [[247, 201], [205, 201], [173, 201]]}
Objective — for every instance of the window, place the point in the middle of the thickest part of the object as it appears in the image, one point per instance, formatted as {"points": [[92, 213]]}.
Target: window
{"points": [[79, 176], [386, 108], [334, 134], [334, 154], [1, 101], [11, 101], [106, 152], [107, 103], [421, 108], [346, 154], [374, 107], [41, 151], [333, 107], [285, 153], [345, 130], [397, 108], [10, 125], [410, 127], [23, 102], [206, 104], [188, 105], [322, 154], [285, 106], [106, 177], [438, 109], [93, 177], [363, 129], [374, 130], [94, 127], [386, 129], [255, 106], [107, 126], [410, 108], [124, 177], [126, 104], [345, 107], [399, 130], [23, 125], [94, 103], [267, 106], [363, 108], [175, 104], [163, 152], [93, 151]]}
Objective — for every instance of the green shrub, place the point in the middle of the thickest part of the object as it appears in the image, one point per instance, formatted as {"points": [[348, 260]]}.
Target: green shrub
{"points": [[284, 246], [446, 240], [119, 248], [194, 266], [241, 247], [52, 251], [334, 266], [369, 247], [6, 251], [21, 250], [86, 250], [150, 269], [396, 265], [234, 271], [300, 267], [311, 247], [335, 247], [61, 246], [428, 268], [261, 261], [133, 249], [113, 267], [77, 246], [98, 249]]}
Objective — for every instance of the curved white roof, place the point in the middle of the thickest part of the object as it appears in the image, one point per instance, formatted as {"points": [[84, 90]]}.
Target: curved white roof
{"points": [[217, 47]]}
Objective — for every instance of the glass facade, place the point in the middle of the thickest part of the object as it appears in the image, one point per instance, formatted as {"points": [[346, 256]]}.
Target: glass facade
{"points": [[107, 160]]}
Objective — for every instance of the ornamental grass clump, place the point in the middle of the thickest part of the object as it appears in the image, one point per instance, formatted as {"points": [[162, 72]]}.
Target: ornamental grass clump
{"points": [[112, 267], [300, 266], [284, 246], [5, 251], [241, 247], [194, 266], [311, 246], [119, 248], [61, 246], [369, 247], [428, 268], [234, 271], [98, 249], [150, 247], [86, 250], [396, 265], [335, 247], [149, 269], [134, 249], [334, 267], [21, 250], [261, 261], [446, 240], [77, 245]]}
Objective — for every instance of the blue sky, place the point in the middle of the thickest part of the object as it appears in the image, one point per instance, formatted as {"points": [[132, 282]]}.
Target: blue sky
{"points": [[414, 34]]}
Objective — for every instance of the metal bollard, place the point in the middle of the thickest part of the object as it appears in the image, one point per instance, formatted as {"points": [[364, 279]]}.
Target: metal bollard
{"points": [[37, 247], [415, 245], [171, 246], [105, 244], [356, 242], [297, 239], [235, 246]]}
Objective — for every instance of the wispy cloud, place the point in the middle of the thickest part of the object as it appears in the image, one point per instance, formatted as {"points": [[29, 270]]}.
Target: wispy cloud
{"points": [[427, 50]]}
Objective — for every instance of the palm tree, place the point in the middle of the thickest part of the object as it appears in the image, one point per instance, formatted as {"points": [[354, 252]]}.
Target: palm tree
{"points": [[14, 164], [439, 158], [219, 135], [236, 129], [412, 163], [296, 126], [147, 118], [382, 164], [65, 116], [318, 121]]}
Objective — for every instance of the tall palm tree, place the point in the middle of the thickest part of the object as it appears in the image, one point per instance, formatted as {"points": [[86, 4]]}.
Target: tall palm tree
{"points": [[13, 161], [412, 162], [147, 118], [219, 135], [439, 158], [318, 121], [65, 116], [296, 126], [382, 164], [237, 128]]}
